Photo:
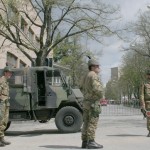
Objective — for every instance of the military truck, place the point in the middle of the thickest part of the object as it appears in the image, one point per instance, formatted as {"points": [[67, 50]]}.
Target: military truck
{"points": [[42, 93]]}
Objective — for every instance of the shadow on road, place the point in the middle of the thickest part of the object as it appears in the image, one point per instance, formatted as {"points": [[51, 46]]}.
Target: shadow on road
{"points": [[61, 147], [125, 135], [33, 133]]}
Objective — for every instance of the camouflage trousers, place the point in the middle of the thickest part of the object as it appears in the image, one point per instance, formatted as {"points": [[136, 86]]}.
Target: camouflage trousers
{"points": [[147, 105], [4, 114], [90, 122]]}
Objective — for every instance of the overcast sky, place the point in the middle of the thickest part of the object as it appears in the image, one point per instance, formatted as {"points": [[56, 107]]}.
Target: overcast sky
{"points": [[112, 54]]}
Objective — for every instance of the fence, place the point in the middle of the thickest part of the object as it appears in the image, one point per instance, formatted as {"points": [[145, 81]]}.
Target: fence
{"points": [[121, 108]]}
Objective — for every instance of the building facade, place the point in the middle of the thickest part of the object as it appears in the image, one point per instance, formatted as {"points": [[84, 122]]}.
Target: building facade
{"points": [[9, 53]]}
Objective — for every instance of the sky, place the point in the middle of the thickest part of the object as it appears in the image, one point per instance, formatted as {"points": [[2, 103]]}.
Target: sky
{"points": [[112, 54]]}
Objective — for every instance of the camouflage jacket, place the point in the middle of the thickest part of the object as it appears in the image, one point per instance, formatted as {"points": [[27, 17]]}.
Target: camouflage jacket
{"points": [[4, 89], [92, 87], [145, 93]]}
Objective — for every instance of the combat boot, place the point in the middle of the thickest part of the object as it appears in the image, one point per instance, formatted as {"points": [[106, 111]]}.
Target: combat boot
{"points": [[1, 144], [84, 144], [4, 141], [93, 145], [148, 134]]}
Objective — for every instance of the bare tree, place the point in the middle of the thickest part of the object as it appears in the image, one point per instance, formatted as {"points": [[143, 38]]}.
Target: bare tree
{"points": [[141, 30], [65, 18]]}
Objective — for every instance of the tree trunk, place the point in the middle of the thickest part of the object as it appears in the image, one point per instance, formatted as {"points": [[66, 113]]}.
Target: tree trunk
{"points": [[40, 60]]}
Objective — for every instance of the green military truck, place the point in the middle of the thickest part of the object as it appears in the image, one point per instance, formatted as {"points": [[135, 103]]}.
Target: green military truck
{"points": [[42, 93]]}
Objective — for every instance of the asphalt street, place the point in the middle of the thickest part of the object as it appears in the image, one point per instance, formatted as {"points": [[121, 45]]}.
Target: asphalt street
{"points": [[114, 133]]}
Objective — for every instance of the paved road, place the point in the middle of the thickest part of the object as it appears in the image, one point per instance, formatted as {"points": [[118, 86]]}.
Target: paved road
{"points": [[114, 132]]}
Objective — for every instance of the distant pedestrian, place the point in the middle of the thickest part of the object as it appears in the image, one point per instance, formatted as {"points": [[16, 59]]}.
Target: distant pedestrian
{"points": [[145, 99], [4, 104], [92, 90]]}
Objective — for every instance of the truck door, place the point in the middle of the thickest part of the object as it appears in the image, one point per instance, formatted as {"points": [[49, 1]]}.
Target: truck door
{"points": [[51, 94], [55, 83], [46, 96]]}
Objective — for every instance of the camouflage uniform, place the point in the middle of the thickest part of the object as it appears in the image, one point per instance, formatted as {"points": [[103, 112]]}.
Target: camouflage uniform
{"points": [[4, 105], [92, 90], [145, 99]]}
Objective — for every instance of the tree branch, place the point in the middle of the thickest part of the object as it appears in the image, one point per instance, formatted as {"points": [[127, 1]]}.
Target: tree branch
{"points": [[56, 26], [31, 20], [3, 43]]}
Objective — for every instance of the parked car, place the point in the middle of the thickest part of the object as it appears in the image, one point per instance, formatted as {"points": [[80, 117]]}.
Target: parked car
{"points": [[103, 102]]}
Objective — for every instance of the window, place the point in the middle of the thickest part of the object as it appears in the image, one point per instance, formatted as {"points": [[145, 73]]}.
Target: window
{"points": [[22, 64], [31, 34], [23, 25], [57, 80], [13, 14], [37, 42], [11, 60], [54, 78]]}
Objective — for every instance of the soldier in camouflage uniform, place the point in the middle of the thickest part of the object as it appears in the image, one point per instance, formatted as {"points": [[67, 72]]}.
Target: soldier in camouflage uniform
{"points": [[145, 99], [4, 104], [92, 90]]}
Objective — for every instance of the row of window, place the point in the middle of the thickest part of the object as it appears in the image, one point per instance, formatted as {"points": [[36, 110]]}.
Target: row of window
{"points": [[14, 16], [12, 61]]}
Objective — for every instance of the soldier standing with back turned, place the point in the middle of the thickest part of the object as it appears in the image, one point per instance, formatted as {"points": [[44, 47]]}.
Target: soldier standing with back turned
{"points": [[4, 104], [92, 90], [145, 99]]}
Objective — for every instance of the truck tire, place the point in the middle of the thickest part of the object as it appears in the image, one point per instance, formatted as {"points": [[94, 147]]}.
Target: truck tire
{"points": [[68, 119], [8, 125]]}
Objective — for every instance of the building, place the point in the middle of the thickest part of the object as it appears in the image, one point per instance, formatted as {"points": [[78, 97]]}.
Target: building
{"points": [[9, 53], [114, 73]]}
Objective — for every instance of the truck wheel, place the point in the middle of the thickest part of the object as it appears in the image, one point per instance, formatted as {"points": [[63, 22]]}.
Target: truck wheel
{"points": [[8, 125], [68, 119]]}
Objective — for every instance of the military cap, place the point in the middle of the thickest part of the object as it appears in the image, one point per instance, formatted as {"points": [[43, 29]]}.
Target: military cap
{"points": [[148, 72], [92, 62], [7, 69]]}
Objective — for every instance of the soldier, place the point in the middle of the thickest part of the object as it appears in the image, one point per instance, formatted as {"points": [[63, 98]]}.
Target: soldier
{"points": [[92, 90], [145, 99], [4, 104]]}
